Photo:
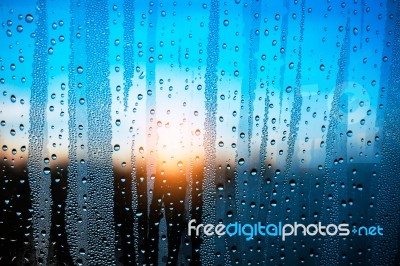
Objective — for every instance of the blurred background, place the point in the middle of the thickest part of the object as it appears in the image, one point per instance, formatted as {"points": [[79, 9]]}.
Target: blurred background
{"points": [[120, 121]]}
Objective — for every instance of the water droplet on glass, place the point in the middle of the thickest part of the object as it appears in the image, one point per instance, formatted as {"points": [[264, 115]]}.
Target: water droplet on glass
{"points": [[46, 170], [349, 133], [79, 70], [28, 18]]}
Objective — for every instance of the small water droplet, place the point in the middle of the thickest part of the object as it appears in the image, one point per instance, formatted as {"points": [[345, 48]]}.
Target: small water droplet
{"points": [[46, 170], [79, 69], [349, 133], [28, 18]]}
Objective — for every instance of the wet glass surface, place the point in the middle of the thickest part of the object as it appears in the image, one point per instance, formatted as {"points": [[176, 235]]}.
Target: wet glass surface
{"points": [[122, 121]]}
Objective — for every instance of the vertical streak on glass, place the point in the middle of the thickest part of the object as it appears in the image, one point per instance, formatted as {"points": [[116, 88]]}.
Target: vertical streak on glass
{"points": [[211, 79], [362, 24], [72, 148], [151, 93], [77, 223], [262, 162], [39, 179], [244, 93], [295, 115], [134, 202], [256, 12], [129, 41], [252, 192], [129, 27], [144, 183], [329, 213], [387, 207], [123, 214], [283, 55], [253, 49], [100, 175], [59, 56], [138, 156]]}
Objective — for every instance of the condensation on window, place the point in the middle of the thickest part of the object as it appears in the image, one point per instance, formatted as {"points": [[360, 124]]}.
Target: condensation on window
{"points": [[121, 121]]}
